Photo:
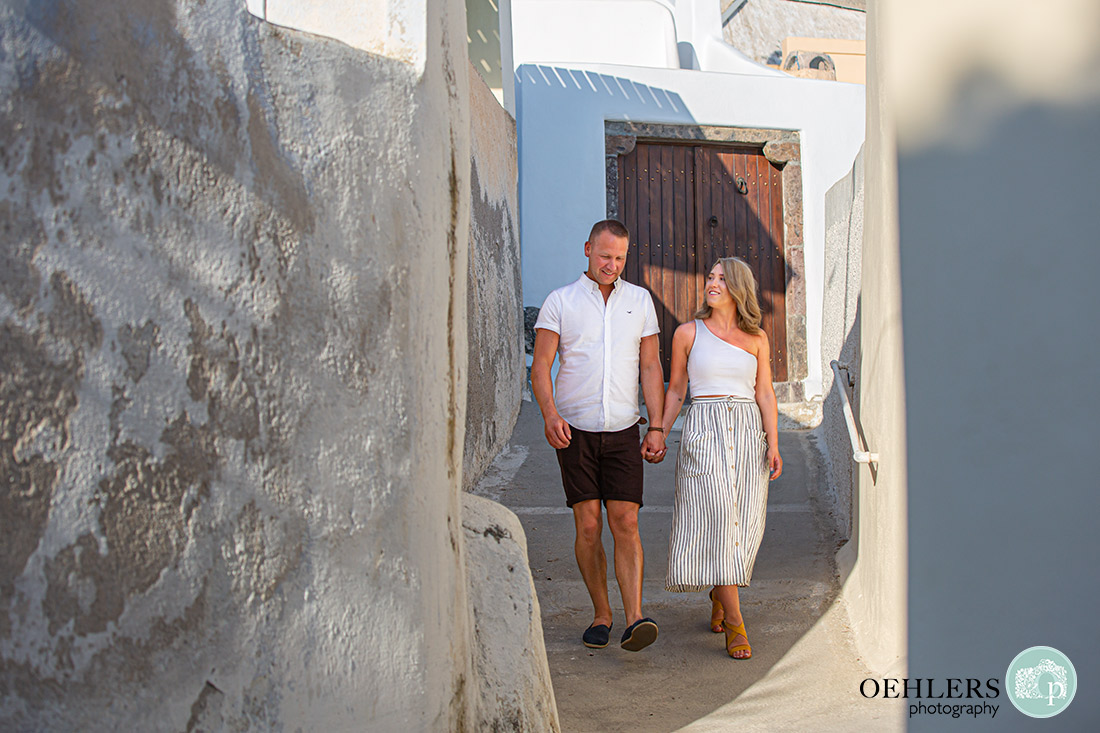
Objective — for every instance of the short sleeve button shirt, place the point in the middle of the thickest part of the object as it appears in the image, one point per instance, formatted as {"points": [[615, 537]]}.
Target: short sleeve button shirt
{"points": [[596, 388]]}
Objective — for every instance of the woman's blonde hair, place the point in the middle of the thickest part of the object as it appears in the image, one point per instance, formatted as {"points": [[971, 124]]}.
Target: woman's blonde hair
{"points": [[742, 288]]}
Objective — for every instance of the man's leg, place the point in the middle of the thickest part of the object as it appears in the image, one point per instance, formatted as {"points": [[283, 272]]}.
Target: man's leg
{"points": [[591, 558], [622, 518]]}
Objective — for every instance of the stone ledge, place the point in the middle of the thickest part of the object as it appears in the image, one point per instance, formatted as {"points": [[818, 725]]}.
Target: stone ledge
{"points": [[514, 691]]}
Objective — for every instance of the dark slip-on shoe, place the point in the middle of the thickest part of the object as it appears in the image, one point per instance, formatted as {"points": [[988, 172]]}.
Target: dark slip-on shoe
{"points": [[596, 637], [639, 635]]}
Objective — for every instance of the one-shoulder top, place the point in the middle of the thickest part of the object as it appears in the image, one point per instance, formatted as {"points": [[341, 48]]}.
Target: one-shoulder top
{"points": [[716, 367]]}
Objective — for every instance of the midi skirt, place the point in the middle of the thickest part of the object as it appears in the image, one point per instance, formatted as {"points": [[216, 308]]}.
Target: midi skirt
{"points": [[721, 495]]}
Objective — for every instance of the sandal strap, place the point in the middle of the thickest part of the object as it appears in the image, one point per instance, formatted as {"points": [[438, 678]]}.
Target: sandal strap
{"points": [[732, 632], [738, 629], [717, 613]]}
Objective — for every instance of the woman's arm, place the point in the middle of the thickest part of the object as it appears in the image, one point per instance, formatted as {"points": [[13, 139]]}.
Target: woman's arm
{"points": [[682, 340], [769, 408]]}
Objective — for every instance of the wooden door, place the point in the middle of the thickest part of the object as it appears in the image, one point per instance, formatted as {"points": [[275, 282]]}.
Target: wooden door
{"points": [[688, 205]]}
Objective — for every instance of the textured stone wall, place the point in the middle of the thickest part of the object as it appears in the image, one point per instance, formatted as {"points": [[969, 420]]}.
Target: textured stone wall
{"points": [[232, 357], [758, 28], [495, 365]]}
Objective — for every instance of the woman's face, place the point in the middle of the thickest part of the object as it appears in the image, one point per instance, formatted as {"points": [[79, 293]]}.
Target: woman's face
{"points": [[716, 292]]}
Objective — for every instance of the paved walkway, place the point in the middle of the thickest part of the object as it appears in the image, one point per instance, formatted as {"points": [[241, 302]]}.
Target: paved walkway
{"points": [[805, 672]]}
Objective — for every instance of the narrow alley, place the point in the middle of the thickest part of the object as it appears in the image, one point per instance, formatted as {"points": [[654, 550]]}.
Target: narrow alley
{"points": [[805, 671]]}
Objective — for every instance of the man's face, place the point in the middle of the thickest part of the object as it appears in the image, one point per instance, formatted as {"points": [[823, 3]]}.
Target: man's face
{"points": [[606, 257]]}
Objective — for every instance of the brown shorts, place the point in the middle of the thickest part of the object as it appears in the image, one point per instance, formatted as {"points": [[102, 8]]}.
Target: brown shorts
{"points": [[605, 466]]}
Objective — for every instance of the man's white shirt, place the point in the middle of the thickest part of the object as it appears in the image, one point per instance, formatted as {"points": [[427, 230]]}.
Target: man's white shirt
{"points": [[598, 351]]}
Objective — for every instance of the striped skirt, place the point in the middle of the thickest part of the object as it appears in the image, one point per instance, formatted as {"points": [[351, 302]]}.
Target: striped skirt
{"points": [[721, 495]]}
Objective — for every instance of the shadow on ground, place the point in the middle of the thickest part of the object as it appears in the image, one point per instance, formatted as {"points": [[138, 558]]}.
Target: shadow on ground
{"points": [[805, 672]]}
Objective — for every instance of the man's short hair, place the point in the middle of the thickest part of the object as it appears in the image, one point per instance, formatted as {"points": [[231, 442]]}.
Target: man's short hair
{"points": [[617, 229]]}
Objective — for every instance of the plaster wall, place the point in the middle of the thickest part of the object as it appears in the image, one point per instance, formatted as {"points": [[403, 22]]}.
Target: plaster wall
{"points": [[561, 115], [632, 32], [873, 562], [840, 334], [233, 389], [998, 265], [494, 306]]}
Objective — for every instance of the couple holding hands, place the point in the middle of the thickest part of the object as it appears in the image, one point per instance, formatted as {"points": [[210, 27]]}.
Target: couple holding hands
{"points": [[603, 331]]}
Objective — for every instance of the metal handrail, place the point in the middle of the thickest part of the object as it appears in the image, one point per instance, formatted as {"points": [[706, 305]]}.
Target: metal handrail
{"points": [[858, 454]]}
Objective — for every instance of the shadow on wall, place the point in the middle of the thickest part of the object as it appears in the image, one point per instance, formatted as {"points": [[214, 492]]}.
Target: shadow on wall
{"points": [[999, 299], [840, 334], [639, 101], [844, 501], [494, 356]]}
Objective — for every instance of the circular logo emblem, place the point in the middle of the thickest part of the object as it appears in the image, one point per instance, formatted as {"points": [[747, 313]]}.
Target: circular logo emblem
{"points": [[1041, 682]]}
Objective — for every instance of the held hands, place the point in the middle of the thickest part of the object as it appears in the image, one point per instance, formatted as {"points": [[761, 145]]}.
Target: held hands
{"points": [[775, 463], [557, 432], [653, 446]]}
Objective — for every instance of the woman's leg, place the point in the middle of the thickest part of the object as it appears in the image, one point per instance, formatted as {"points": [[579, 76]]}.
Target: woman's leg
{"points": [[728, 596]]}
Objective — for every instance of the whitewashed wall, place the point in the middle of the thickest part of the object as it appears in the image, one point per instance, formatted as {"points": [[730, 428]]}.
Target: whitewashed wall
{"points": [[633, 32]]}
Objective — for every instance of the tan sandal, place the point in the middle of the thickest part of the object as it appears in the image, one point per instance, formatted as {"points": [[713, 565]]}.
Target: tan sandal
{"points": [[717, 613], [732, 632]]}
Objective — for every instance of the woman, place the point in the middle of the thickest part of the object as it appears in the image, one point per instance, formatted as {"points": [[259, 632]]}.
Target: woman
{"points": [[729, 446]]}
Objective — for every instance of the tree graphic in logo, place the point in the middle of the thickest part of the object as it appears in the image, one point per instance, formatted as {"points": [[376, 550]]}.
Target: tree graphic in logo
{"points": [[1027, 681], [1041, 682]]}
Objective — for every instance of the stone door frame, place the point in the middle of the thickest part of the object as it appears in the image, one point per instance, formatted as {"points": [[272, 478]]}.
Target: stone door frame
{"points": [[784, 149]]}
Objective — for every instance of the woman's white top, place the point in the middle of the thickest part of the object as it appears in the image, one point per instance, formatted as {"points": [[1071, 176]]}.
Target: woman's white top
{"points": [[716, 367]]}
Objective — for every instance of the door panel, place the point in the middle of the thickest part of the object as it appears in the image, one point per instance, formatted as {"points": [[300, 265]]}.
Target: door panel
{"points": [[688, 205]]}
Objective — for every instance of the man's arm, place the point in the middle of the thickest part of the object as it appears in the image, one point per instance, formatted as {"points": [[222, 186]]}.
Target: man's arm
{"points": [[653, 391], [555, 427]]}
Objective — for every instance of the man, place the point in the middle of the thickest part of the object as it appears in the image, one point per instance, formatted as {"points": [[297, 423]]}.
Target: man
{"points": [[604, 331]]}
